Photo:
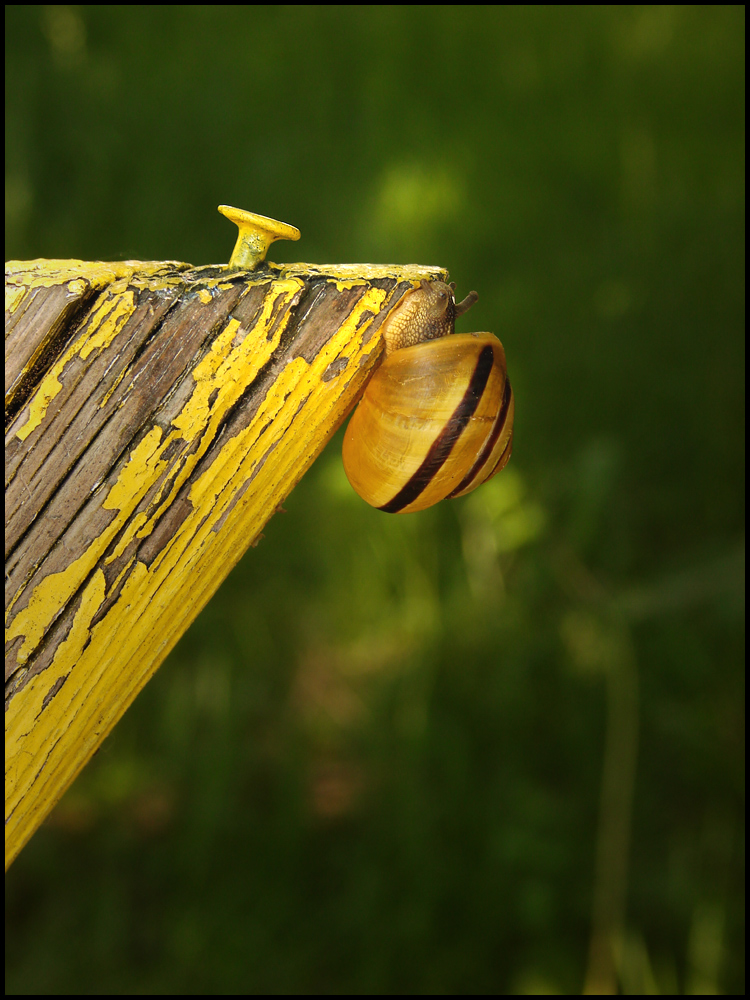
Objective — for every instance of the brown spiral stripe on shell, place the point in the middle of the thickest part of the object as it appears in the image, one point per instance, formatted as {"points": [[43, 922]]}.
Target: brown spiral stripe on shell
{"points": [[497, 429], [444, 442]]}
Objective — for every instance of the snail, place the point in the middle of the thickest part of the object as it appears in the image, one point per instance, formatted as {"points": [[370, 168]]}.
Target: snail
{"points": [[436, 418]]}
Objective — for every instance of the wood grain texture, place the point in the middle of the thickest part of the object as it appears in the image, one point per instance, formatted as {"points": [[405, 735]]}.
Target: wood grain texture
{"points": [[157, 414]]}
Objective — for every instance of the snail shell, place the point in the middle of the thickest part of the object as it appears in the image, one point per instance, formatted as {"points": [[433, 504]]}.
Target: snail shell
{"points": [[436, 418]]}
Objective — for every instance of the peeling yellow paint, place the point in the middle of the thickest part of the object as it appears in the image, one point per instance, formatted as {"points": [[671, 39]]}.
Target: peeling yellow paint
{"points": [[140, 472], [107, 663], [105, 322], [24, 745], [222, 376], [54, 591], [359, 273], [40, 401], [144, 467], [14, 295], [131, 531], [45, 603], [44, 273], [108, 395]]}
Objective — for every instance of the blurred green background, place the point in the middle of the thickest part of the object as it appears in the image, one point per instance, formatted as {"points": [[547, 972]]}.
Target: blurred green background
{"points": [[445, 752]]}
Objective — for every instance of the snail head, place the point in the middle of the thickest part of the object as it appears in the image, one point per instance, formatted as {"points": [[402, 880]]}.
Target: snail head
{"points": [[425, 313]]}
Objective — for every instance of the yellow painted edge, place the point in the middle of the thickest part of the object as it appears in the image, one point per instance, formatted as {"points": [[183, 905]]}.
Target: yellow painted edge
{"points": [[44, 273]]}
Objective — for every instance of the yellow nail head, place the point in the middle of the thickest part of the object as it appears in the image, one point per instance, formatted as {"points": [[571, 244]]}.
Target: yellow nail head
{"points": [[256, 234]]}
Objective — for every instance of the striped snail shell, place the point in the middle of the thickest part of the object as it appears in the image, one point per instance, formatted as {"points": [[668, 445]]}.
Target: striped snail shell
{"points": [[436, 418]]}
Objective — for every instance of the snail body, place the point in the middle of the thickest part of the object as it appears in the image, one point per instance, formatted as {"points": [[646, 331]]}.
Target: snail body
{"points": [[436, 418]]}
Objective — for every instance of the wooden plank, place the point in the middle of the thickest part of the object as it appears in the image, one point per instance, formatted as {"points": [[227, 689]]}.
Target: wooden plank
{"points": [[158, 415]]}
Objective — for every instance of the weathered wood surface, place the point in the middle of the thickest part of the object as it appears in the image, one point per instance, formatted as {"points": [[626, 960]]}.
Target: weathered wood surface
{"points": [[156, 416]]}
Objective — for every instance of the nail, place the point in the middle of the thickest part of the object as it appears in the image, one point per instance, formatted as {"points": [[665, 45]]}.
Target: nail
{"points": [[256, 235]]}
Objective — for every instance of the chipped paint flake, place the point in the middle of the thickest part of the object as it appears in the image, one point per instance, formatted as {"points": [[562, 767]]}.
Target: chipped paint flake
{"points": [[141, 471]]}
